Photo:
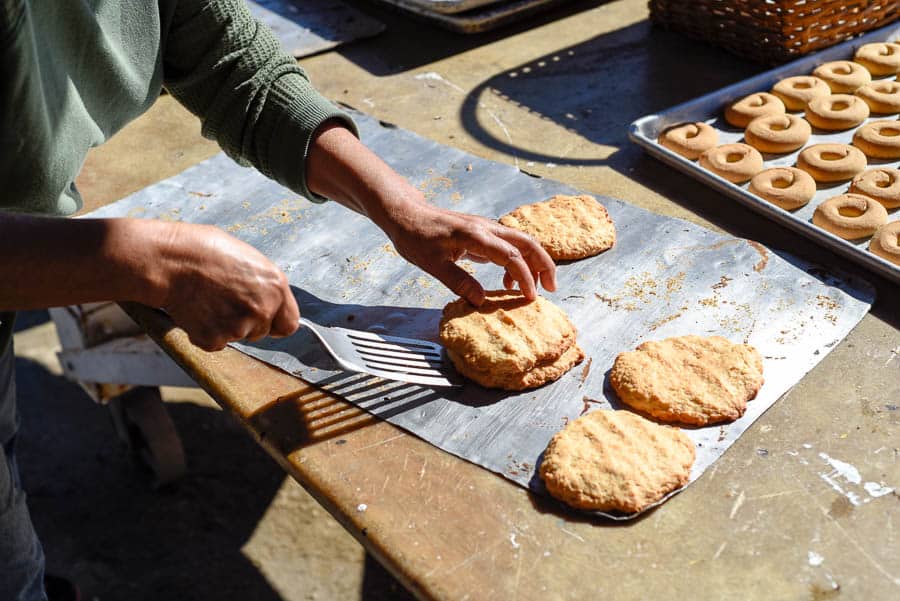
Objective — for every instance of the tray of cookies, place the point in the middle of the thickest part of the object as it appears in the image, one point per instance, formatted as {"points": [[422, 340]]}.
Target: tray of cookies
{"points": [[813, 145]]}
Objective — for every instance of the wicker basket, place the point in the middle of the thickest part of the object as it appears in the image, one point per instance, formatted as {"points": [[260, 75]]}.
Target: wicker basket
{"points": [[773, 31]]}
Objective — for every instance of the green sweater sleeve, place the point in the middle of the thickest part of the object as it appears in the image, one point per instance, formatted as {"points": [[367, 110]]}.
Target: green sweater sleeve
{"points": [[251, 97]]}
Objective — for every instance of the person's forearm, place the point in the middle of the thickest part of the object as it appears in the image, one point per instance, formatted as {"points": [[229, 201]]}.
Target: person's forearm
{"points": [[46, 262], [341, 168]]}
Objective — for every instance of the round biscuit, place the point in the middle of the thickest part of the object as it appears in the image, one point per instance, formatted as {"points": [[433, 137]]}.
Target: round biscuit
{"points": [[616, 461], [568, 227], [540, 374], [506, 335], [688, 379]]}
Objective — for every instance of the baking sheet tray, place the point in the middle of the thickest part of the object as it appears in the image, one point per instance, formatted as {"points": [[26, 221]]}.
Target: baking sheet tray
{"points": [[483, 18], [447, 7], [305, 27], [664, 277], [708, 109]]}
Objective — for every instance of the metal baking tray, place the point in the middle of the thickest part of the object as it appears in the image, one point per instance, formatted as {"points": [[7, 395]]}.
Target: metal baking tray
{"points": [[709, 109], [485, 17], [449, 7]]}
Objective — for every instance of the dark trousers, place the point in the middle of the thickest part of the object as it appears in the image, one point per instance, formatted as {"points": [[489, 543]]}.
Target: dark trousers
{"points": [[21, 556]]}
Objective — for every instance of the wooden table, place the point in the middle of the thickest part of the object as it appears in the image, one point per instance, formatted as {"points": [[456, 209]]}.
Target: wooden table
{"points": [[555, 96]]}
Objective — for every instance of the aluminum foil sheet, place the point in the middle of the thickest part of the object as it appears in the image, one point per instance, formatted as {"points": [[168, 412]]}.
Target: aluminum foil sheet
{"points": [[708, 109], [664, 277], [310, 26]]}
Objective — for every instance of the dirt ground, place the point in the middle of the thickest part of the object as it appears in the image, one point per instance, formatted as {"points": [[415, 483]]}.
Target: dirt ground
{"points": [[235, 528]]}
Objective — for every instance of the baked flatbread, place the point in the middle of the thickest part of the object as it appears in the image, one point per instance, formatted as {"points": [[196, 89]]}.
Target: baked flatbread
{"points": [[568, 227], [538, 375], [688, 379], [509, 342], [616, 460]]}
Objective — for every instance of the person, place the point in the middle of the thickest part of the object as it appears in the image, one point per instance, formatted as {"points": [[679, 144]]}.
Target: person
{"points": [[72, 74]]}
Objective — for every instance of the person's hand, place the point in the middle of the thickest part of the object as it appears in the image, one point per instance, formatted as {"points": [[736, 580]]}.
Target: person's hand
{"points": [[343, 169], [219, 289], [434, 239]]}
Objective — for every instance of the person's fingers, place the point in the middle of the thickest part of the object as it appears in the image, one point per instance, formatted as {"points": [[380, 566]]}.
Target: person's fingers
{"points": [[259, 331], [208, 341], [286, 320], [509, 283], [548, 280], [200, 333], [459, 281], [246, 328], [538, 260], [508, 256]]}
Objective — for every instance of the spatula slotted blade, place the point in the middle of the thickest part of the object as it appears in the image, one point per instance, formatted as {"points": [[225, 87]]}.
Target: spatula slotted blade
{"points": [[389, 357]]}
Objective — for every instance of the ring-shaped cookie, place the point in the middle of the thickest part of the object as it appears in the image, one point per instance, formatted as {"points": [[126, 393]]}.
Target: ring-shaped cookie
{"points": [[787, 187], [777, 133], [689, 140], [748, 108], [879, 139], [882, 96], [850, 216], [796, 92], [880, 58], [882, 184], [843, 77], [836, 112], [832, 162], [886, 242], [735, 162]]}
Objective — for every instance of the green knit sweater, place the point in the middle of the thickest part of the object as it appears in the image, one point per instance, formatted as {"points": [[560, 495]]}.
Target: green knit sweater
{"points": [[73, 72]]}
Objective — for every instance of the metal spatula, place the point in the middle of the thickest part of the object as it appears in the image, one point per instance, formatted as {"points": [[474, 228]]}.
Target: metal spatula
{"points": [[389, 357]]}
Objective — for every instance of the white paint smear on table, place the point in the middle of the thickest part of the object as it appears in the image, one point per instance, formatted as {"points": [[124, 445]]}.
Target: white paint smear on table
{"points": [[431, 75], [844, 475], [877, 490]]}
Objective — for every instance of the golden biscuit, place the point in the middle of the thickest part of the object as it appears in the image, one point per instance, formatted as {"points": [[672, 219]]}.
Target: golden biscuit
{"points": [[886, 242], [837, 112], [748, 108], [787, 187], [843, 77], [616, 461], [778, 133], [540, 374], [688, 379], [796, 92], [506, 335], [883, 97], [850, 216], [880, 58], [735, 162], [568, 227], [831, 162], [689, 139], [882, 184], [879, 139]]}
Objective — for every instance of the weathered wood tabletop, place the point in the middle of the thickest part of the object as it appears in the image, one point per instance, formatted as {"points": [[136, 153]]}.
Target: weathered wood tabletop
{"points": [[772, 519]]}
